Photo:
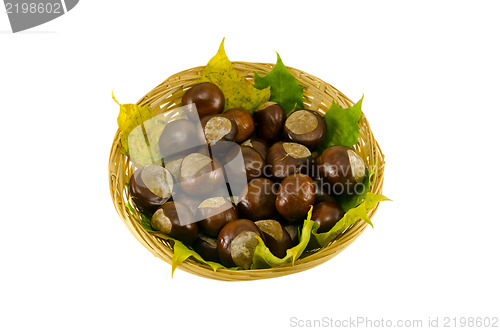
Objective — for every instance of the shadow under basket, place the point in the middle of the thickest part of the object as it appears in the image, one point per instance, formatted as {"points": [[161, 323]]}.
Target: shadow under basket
{"points": [[318, 95]]}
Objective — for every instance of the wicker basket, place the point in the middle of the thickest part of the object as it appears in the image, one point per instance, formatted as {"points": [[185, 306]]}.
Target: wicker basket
{"points": [[318, 95]]}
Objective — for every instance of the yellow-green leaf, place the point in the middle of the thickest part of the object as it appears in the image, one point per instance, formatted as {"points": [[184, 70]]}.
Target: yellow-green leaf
{"points": [[130, 117], [351, 216], [237, 90], [263, 258], [181, 252], [350, 201], [143, 144]]}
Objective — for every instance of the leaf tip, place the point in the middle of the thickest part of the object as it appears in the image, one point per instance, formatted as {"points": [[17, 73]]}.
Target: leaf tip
{"points": [[221, 47], [360, 100], [278, 60], [309, 213], [114, 98], [384, 198], [256, 77]]}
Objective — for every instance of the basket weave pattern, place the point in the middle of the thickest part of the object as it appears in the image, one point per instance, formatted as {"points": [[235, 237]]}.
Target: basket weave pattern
{"points": [[318, 95]]}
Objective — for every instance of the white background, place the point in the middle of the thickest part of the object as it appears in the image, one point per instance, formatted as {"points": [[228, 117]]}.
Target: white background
{"points": [[430, 73]]}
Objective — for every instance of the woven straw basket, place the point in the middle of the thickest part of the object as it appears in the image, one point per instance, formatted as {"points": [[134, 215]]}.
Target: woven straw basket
{"points": [[318, 95]]}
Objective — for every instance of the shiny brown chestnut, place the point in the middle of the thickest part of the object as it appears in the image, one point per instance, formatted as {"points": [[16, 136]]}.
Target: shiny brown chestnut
{"points": [[207, 97], [218, 128], [244, 122], [206, 246], [313, 168], [277, 238], [286, 158], [305, 127], [192, 202], [200, 174], [321, 192], [254, 162], [293, 231], [174, 166], [295, 197], [179, 138], [167, 219], [258, 144], [257, 201], [342, 168], [327, 214], [214, 213], [236, 243], [150, 187], [269, 119]]}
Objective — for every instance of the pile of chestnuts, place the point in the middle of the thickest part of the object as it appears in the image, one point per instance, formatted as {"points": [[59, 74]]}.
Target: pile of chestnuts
{"points": [[285, 176]]}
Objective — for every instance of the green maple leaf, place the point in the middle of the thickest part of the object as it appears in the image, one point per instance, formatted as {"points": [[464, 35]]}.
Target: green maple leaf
{"points": [[342, 125], [285, 89], [239, 92]]}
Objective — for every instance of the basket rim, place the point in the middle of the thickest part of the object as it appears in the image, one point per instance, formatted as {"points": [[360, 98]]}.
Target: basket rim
{"points": [[143, 99], [191, 265]]}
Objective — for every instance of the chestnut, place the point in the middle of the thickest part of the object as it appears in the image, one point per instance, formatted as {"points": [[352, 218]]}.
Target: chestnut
{"points": [[218, 128], [207, 97], [322, 193], [225, 151], [257, 201], [327, 214], [258, 144], [285, 158], [276, 237], [169, 219], [295, 197], [313, 168], [174, 167], [150, 187], [192, 202], [244, 122], [179, 138], [200, 174], [236, 243], [254, 162], [206, 246], [342, 168], [269, 119], [305, 127], [293, 232], [214, 213]]}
